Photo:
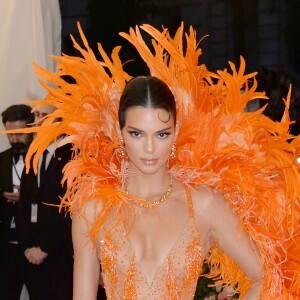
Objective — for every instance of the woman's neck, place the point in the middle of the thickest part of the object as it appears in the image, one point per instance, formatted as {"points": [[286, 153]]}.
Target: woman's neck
{"points": [[148, 186]]}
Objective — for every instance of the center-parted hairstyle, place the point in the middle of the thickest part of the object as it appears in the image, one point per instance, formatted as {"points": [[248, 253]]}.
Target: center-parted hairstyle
{"points": [[148, 92]]}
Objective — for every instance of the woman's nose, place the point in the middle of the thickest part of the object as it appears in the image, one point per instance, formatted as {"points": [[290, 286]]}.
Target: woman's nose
{"points": [[150, 146]]}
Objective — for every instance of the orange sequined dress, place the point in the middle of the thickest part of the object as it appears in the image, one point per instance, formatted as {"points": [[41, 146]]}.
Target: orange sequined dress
{"points": [[175, 279]]}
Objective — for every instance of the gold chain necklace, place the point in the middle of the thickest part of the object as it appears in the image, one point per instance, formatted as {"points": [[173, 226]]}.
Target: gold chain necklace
{"points": [[147, 204]]}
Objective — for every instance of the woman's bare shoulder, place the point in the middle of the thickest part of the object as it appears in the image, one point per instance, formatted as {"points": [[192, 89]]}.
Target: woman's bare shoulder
{"points": [[205, 202], [206, 198], [211, 209], [90, 210]]}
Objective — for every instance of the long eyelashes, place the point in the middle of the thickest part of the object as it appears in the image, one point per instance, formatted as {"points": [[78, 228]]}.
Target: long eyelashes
{"points": [[163, 134], [134, 133]]}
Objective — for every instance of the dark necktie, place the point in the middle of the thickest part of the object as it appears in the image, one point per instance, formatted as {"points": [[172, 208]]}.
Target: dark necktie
{"points": [[43, 167], [16, 156]]}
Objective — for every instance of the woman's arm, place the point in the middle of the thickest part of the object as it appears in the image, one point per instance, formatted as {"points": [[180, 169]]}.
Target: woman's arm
{"points": [[224, 229], [86, 263]]}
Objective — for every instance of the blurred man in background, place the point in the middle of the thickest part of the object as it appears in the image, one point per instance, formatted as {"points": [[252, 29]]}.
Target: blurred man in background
{"points": [[45, 235], [11, 168]]}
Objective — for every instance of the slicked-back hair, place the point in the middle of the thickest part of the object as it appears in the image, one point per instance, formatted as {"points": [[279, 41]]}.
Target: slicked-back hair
{"points": [[147, 92]]}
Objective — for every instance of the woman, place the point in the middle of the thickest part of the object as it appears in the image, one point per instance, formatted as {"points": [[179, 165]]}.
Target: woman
{"points": [[155, 188], [161, 247]]}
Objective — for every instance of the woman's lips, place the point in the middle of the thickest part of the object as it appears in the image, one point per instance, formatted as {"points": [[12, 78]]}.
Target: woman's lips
{"points": [[149, 162]]}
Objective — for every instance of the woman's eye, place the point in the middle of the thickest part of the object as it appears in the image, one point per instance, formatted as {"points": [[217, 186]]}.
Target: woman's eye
{"points": [[164, 134], [134, 133]]}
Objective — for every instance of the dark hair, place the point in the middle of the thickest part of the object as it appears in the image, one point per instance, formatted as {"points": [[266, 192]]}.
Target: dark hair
{"points": [[146, 92], [18, 112]]}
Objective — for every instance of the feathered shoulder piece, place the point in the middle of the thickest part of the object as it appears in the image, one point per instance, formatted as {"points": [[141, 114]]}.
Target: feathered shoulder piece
{"points": [[245, 155]]}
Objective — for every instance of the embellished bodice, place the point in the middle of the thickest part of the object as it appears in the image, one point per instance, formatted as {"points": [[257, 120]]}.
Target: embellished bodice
{"points": [[176, 278]]}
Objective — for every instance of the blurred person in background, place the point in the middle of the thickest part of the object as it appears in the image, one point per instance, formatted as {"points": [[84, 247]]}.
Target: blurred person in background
{"points": [[44, 232], [11, 168]]}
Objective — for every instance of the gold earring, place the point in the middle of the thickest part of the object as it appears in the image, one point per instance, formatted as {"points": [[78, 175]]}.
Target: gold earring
{"points": [[121, 149], [173, 151]]}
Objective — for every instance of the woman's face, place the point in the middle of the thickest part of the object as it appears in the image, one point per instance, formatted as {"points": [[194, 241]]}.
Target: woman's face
{"points": [[148, 136]]}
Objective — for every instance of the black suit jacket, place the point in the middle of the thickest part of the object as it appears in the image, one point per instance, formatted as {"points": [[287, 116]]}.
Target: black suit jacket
{"points": [[50, 230], [7, 210]]}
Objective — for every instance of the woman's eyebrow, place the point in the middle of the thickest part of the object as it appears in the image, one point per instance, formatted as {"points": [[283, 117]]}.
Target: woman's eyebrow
{"points": [[139, 130], [165, 129], [134, 128]]}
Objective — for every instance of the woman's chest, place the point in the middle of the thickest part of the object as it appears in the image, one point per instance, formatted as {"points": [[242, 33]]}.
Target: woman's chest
{"points": [[153, 256]]}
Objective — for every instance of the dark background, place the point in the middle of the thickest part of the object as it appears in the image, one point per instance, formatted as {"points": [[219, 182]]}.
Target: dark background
{"points": [[246, 25], [265, 32]]}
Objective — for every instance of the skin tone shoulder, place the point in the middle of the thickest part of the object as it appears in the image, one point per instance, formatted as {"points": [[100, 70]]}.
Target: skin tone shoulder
{"points": [[148, 136], [86, 262], [217, 223]]}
